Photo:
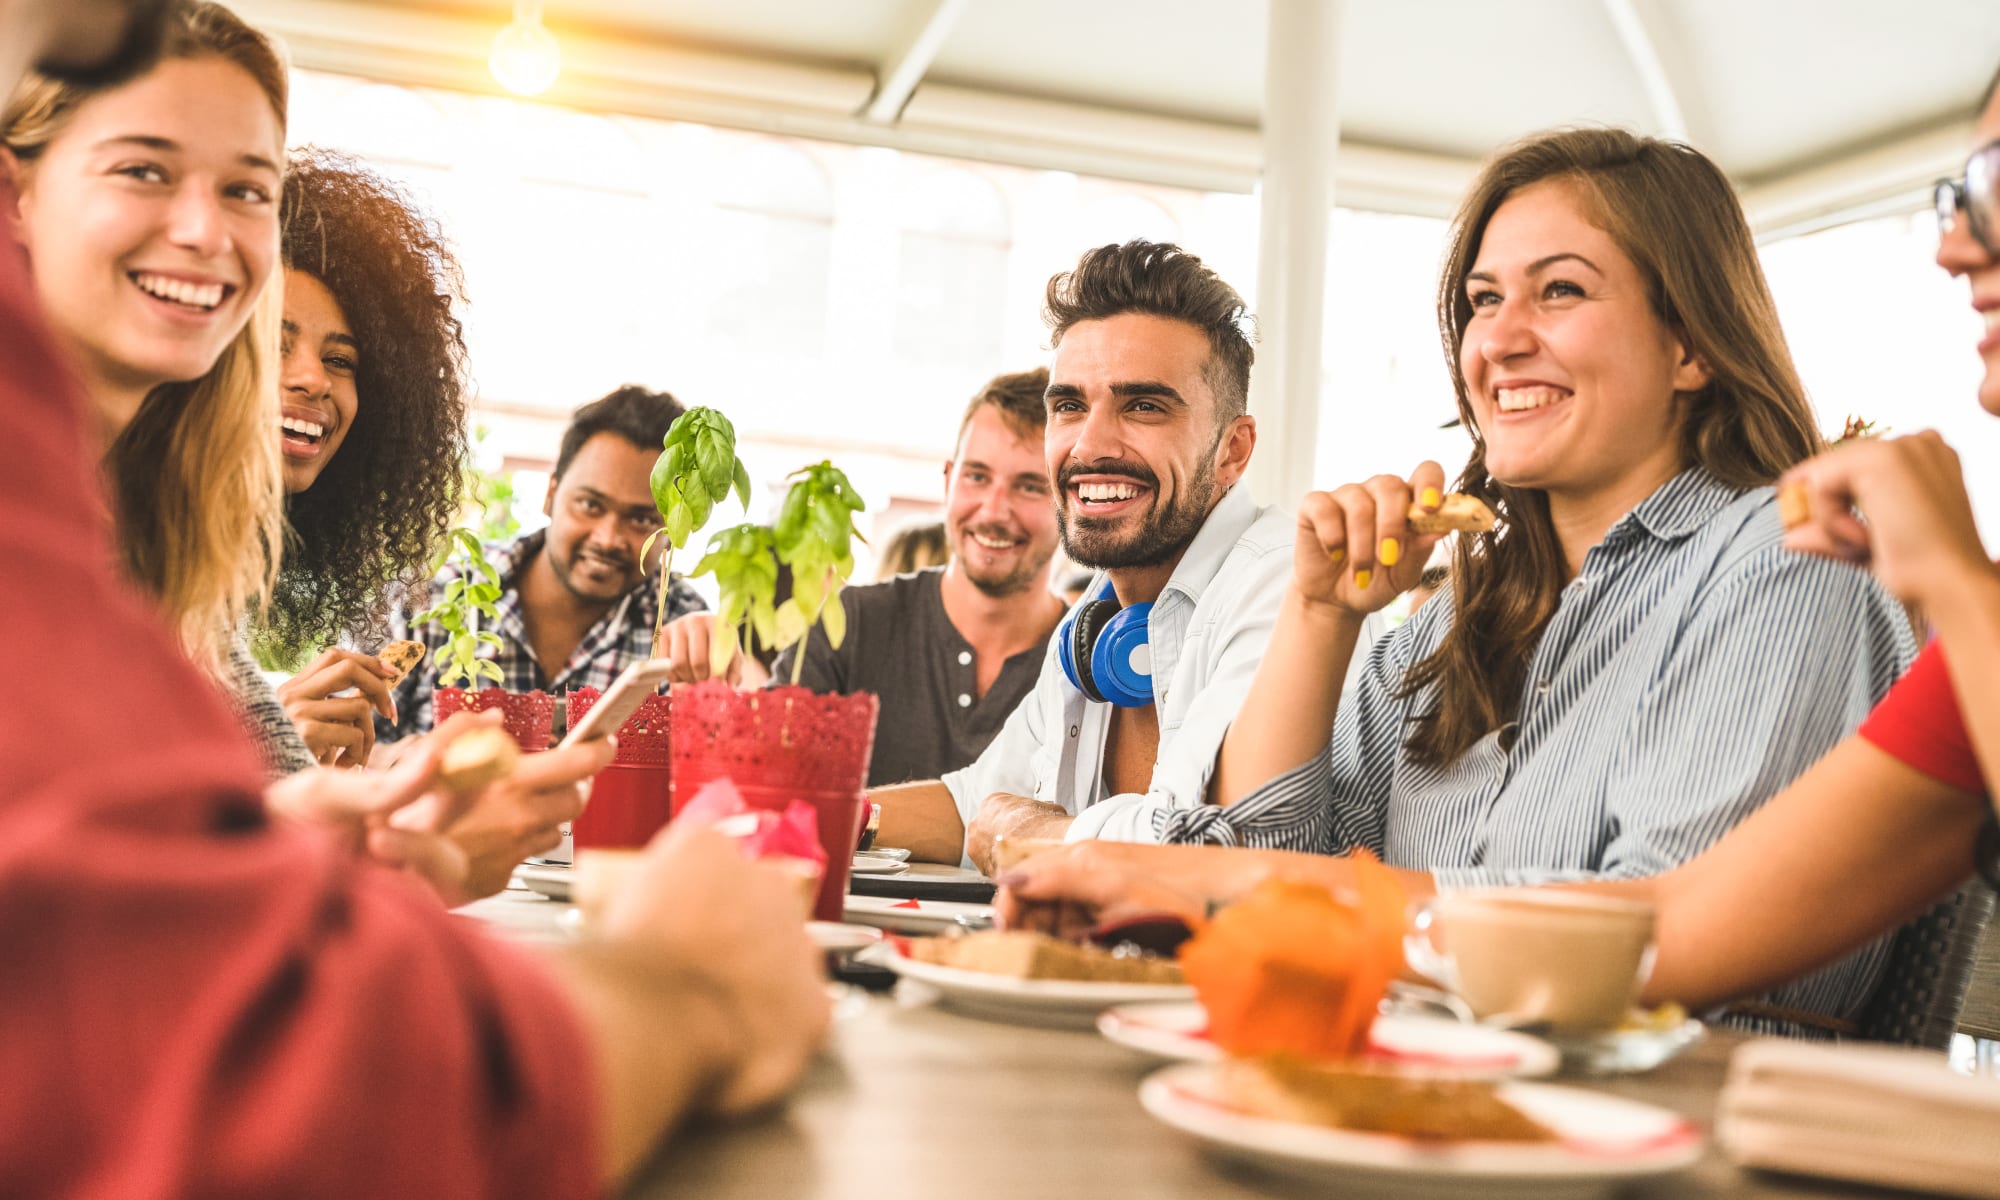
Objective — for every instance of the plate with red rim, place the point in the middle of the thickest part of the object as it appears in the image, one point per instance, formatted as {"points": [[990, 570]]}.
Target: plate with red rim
{"points": [[1602, 1143], [1179, 1032], [916, 916]]}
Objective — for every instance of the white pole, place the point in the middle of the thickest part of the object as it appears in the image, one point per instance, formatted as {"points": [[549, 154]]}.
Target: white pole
{"points": [[1301, 139]]}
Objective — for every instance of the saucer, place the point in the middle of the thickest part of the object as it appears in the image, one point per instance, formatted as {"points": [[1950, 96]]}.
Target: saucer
{"points": [[1627, 1050]]}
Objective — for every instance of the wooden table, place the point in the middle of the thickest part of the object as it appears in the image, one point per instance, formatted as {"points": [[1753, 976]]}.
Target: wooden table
{"points": [[913, 1100]]}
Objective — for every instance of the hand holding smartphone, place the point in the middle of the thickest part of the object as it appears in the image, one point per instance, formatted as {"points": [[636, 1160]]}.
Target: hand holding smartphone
{"points": [[617, 705]]}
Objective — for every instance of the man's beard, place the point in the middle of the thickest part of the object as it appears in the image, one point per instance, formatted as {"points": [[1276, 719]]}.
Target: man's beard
{"points": [[566, 572], [1162, 534], [136, 52], [1001, 584]]}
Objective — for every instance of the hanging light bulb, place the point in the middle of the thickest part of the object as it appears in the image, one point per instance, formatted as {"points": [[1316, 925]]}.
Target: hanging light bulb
{"points": [[525, 56]]}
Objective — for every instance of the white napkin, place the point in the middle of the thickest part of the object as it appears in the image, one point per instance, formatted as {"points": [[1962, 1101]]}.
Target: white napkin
{"points": [[1874, 1114]]}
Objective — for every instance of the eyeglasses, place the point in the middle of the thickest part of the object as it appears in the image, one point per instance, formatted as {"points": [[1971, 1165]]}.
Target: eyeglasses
{"points": [[1977, 195]]}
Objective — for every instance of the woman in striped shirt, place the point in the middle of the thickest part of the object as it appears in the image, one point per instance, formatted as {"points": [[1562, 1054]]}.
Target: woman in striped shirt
{"points": [[1631, 662]]}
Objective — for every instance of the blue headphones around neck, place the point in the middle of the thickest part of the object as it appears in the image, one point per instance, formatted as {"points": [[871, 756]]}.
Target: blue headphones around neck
{"points": [[1104, 652]]}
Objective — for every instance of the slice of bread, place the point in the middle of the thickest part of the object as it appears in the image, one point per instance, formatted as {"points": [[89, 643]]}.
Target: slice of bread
{"points": [[1025, 955], [1412, 1106]]}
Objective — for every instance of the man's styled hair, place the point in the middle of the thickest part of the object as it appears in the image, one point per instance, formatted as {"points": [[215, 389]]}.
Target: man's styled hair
{"points": [[1019, 397], [639, 416], [1165, 281]]}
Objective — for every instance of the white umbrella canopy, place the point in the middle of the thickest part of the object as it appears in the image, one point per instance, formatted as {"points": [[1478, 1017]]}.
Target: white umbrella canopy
{"points": [[1820, 110]]}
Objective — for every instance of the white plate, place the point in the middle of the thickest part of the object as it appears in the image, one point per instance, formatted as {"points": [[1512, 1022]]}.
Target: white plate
{"points": [[1072, 1004], [917, 916], [878, 864], [1178, 1032], [1605, 1142], [836, 938], [550, 879]]}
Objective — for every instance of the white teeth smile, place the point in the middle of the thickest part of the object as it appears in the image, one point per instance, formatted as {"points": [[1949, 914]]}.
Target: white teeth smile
{"points": [[305, 428], [1106, 492], [990, 544], [1992, 316], [204, 296], [1523, 399]]}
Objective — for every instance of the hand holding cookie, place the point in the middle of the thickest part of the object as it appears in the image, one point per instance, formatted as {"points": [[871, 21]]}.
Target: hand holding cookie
{"points": [[1897, 506], [334, 699], [1360, 546]]}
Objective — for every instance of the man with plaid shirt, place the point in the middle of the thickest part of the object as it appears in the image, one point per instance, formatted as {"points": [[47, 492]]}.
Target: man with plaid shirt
{"points": [[577, 605]]}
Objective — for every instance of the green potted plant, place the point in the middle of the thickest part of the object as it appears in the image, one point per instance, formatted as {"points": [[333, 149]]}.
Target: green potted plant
{"points": [[784, 744], [696, 470], [472, 595]]}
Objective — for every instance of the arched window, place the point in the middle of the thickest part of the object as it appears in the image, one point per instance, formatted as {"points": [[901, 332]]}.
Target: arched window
{"points": [[774, 226], [951, 273]]}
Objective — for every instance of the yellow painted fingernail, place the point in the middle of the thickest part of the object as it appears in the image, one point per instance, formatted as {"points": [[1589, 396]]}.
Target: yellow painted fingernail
{"points": [[1431, 498], [1389, 552], [1338, 556], [1362, 577]]}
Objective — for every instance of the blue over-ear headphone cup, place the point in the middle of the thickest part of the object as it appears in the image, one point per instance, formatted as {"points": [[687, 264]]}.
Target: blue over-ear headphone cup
{"points": [[1079, 644], [1122, 662]]}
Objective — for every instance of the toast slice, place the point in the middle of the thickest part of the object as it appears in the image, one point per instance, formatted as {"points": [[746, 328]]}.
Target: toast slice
{"points": [[1413, 1106], [1025, 955]]}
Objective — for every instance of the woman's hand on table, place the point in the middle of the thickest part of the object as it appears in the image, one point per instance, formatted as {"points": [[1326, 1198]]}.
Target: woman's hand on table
{"points": [[1897, 506], [735, 929], [332, 702]]}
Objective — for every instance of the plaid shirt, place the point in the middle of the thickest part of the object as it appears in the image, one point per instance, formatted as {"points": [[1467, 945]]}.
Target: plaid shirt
{"points": [[622, 637]]}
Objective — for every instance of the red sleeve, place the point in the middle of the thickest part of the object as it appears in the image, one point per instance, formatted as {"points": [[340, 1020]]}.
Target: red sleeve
{"points": [[192, 1002], [1919, 725]]}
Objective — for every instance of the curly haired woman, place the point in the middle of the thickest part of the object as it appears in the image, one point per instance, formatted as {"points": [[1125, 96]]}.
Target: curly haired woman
{"points": [[373, 433]]}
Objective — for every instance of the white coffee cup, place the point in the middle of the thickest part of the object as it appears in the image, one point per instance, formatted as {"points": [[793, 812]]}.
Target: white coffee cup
{"points": [[1571, 959]]}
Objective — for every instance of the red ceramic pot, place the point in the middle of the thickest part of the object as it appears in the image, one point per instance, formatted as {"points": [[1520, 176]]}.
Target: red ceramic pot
{"points": [[777, 746], [628, 805], [530, 716]]}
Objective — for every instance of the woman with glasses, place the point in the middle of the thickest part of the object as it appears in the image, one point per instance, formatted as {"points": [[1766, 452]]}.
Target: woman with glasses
{"points": [[1891, 819]]}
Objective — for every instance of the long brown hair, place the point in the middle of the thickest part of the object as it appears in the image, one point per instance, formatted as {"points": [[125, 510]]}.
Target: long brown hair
{"points": [[1675, 216], [195, 477]]}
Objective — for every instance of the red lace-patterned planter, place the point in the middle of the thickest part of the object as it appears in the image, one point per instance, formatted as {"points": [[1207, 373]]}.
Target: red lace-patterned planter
{"points": [[777, 746], [630, 799], [530, 716]]}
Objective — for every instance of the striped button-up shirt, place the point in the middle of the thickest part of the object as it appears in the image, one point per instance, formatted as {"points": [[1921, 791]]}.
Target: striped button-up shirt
{"points": [[620, 638], [1693, 668]]}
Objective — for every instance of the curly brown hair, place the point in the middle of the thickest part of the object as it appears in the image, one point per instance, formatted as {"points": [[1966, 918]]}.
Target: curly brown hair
{"points": [[384, 503]]}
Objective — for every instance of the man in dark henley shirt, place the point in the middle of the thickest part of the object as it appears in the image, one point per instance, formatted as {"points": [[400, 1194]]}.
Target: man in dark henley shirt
{"points": [[951, 650]]}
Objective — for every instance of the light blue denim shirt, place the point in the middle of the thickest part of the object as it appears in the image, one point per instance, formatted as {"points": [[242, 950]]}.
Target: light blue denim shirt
{"points": [[1207, 630]]}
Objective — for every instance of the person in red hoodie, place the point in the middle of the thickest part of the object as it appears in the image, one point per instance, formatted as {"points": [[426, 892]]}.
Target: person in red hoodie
{"points": [[201, 1001]]}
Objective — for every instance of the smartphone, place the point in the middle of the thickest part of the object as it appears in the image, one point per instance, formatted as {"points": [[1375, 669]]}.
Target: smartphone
{"points": [[627, 693]]}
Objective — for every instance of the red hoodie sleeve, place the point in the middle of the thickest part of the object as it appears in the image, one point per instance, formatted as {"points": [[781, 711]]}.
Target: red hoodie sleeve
{"points": [[193, 1001]]}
